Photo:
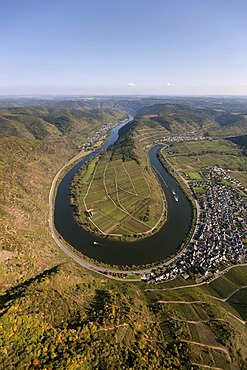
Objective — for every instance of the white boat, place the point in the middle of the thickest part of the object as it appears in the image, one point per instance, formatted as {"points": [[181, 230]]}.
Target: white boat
{"points": [[176, 198], [173, 192]]}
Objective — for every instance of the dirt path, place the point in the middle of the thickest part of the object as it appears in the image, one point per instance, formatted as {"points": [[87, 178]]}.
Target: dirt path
{"points": [[203, 282], [218, 348], [243, 287], [180, 302], [207, 366], [176, 287]]}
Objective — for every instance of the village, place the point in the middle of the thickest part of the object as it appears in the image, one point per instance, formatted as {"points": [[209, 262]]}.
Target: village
{"points": [[99, 136], [191, 136], [218, 238]]}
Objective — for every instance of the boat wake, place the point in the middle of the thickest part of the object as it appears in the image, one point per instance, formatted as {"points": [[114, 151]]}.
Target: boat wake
{"points": [[175, 195]]}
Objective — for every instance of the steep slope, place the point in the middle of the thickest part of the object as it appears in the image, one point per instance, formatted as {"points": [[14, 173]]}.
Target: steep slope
{"points": [[161, 120], [27, 168]]}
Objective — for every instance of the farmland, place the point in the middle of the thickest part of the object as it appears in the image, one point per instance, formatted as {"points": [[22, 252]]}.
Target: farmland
{"points": [[193, 159], [207, 316], [121, 197]]}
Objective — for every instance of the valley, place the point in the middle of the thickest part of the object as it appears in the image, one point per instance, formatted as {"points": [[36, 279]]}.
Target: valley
{"points": [[55, 313]]}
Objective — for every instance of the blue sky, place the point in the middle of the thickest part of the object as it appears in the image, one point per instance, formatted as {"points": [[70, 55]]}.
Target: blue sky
{"points": [[88, 47]]}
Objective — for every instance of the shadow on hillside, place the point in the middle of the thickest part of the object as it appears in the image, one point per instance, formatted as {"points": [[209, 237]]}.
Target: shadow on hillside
{"points": [[19, 290]]}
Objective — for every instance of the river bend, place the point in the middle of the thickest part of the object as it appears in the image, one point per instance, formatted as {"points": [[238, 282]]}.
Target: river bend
{"points": [[154, 248]]}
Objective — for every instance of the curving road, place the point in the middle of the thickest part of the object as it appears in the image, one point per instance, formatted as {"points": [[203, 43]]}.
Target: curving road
{"points": [[80, 260]]}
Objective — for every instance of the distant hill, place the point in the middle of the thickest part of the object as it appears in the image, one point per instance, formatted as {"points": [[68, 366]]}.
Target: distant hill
{"points": [[240, 141], [42, 122], [160, 120], [229, 114], [185, 118]]}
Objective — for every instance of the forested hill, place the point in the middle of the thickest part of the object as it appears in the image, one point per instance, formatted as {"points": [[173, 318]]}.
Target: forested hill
{"points": [[50, 123], [186, 118], [240, 141], [177, 118], [226, 116]]}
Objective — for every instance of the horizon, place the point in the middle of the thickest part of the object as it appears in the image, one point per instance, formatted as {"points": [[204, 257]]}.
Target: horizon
{"points": [[101, 96]]}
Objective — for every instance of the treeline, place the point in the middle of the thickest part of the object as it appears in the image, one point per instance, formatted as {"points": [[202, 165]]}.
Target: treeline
{"points": [[240, 141], [124, 149]]}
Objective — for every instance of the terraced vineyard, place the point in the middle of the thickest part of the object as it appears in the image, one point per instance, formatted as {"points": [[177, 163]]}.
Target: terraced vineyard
{"points": [[207, 317], [118, 198]]}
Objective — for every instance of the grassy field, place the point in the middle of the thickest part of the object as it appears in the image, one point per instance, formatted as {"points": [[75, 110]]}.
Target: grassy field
{"points": [[241, 176], [191, 159], [238, 302], [230, 282], [201, 147], [124, 199]]}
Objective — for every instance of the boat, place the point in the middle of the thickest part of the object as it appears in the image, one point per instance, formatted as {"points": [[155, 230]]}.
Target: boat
{"points": [[175, 195]]}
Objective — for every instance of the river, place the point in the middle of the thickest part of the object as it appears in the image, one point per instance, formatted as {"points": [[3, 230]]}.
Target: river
{"points": [[154, 248]]}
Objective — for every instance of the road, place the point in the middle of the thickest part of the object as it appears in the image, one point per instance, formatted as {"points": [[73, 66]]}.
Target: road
{"points": [[83, 262], [80, 260]]}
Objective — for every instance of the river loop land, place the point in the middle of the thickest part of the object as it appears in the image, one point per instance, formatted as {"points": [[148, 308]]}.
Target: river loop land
{"points": [[157, 247]]}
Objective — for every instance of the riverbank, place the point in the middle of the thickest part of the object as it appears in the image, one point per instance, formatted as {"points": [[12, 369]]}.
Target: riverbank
{"points": [[146, 252]]}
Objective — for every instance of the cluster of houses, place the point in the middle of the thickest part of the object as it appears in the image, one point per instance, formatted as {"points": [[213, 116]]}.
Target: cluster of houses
{"points": [[98, 136], [180, 138], [218, 238], [233, 181]]}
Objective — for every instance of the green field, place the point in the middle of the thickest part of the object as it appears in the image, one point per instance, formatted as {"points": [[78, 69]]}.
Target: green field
{"points": [[193, 158], [241, 176], [202, 147], [124, 198], [203, 319], [239, 302], [230, 282]]}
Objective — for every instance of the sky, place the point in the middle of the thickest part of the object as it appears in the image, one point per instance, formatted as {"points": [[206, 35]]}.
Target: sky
{"points": [[120, 47]]}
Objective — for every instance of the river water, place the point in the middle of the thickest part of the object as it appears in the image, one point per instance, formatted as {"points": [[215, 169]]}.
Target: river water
{"points": [[154, 248]]}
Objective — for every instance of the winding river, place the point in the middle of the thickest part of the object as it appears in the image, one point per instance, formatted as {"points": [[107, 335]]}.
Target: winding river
{"points": [[156, 247]]}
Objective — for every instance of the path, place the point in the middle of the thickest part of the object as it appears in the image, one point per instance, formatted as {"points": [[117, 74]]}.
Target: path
{"points": [[218, 348], [207, 366]]}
